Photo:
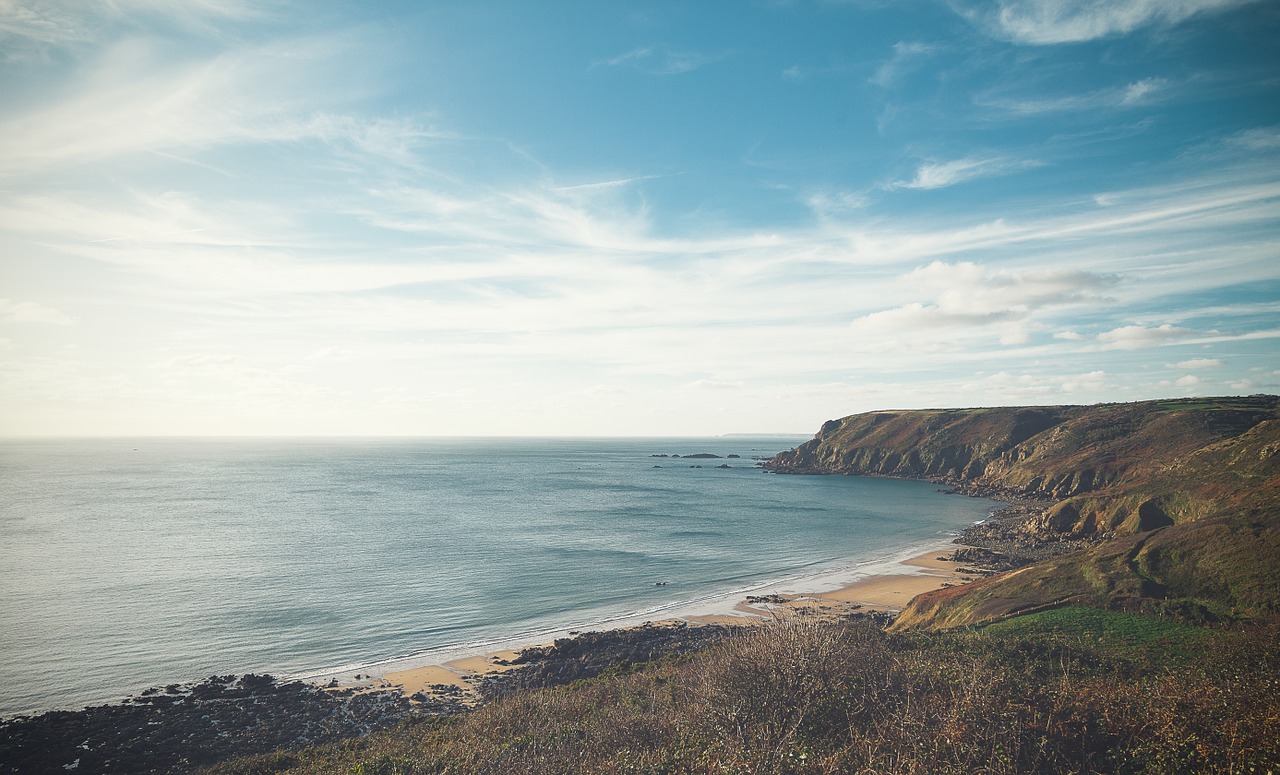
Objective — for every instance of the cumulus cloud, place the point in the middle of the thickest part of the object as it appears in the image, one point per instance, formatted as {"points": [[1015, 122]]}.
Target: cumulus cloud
{"points": [[1189, 380], [32, 312], [1036, 387], [1094, 380], [965, 296], [1198, 363], [1049, 22], [1139, 337]]}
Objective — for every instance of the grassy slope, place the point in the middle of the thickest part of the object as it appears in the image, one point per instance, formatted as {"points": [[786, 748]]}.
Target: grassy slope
{"points": [[1071, 690], [1185, 494]]}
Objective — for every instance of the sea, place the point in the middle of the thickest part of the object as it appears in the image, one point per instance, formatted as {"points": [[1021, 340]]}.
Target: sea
{"points": [[138, 562]]}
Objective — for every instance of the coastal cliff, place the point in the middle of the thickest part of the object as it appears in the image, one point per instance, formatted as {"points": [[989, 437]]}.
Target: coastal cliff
{"points": [[1172, 505]]}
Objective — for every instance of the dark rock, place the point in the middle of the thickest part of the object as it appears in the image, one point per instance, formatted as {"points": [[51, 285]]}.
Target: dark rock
{"points": [[194, 725], [592, 653]]}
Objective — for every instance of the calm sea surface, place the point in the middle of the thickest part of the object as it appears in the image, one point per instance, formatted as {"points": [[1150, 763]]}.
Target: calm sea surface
{"points": [[131, 563]]}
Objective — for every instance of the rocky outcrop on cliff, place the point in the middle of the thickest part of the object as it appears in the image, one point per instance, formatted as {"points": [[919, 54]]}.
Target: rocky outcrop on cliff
{"points": [[1177, 501], [1096, 464]]}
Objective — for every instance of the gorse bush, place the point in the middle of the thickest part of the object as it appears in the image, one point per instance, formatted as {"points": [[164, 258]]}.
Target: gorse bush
{"points": [[756, 690], [1064, 694]]}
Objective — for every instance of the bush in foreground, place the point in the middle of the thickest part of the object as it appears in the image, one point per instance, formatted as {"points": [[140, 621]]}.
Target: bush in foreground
{"points": [[1067, 691]]}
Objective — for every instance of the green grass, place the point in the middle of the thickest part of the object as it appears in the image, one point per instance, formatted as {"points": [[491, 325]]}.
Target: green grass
{"points": [[1150, 640]]}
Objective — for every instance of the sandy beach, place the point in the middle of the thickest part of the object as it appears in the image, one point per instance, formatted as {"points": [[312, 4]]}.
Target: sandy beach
{"points": [[889, 588]]}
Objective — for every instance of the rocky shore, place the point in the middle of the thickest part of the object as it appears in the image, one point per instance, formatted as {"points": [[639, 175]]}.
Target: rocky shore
{"points": [[183, 726], [1014, 535], [591, 654]]}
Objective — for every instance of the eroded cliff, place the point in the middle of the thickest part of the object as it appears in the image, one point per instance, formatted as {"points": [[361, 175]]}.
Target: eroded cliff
{"points": [[1178, 498]]}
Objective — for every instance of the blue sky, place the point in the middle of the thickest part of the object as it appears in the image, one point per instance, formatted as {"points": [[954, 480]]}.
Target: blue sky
{"points": [[598, 218]]}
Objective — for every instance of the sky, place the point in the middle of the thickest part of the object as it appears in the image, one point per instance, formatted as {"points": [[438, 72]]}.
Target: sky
{"points": [[595, 218]]}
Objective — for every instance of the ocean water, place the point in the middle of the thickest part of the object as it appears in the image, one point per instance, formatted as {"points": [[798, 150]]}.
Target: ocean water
{"points": [[131, 563]]}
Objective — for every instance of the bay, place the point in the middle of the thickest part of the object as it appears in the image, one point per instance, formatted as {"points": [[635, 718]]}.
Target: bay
{"points": [[129, 563]]}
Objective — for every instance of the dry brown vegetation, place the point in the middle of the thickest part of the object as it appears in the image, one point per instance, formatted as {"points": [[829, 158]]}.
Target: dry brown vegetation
{"points": [[1074, 690]]}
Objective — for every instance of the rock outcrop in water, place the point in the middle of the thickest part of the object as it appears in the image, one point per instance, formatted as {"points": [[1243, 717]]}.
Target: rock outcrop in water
{"points": [[1172, 505]]}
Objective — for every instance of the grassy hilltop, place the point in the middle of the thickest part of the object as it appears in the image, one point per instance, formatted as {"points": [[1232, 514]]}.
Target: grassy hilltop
{"points": [[1176, 500]]}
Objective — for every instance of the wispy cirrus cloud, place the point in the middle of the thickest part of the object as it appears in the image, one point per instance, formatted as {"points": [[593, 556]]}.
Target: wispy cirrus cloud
{"points": [[137, 100], [653, 60], [1143, 91], [32, 25], [935, 174], [1052, 22], [906, 55]]}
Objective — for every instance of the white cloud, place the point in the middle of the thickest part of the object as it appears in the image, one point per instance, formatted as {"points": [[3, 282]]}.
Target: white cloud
{"points": [[660, 61], [1198, 363], [964, 297], [1138, 92], [905, 54], [1039, 387], [1144, 91], [32, 312], [1070, 336], [837, 202], [1257, 139], [1083, 383], [28, 28], [1048, 22], [714, 384], [1190, 380], [1139, 337], [930, 175], [134, 102]]}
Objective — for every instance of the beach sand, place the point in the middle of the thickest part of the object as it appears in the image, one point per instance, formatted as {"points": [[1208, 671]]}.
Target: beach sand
{"points": [[889, 590], [428, 678]]}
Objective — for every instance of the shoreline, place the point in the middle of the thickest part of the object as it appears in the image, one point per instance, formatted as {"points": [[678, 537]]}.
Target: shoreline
{"points": [[874, 587], [226, 716]]}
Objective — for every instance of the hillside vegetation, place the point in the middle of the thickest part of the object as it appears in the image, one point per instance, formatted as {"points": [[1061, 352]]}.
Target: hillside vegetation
{"points": [[1068, 691], [1177, 499]]}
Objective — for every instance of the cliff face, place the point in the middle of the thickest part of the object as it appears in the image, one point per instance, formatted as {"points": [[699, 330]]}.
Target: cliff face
{"points": [[1100, 464], [1181, 498]]}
